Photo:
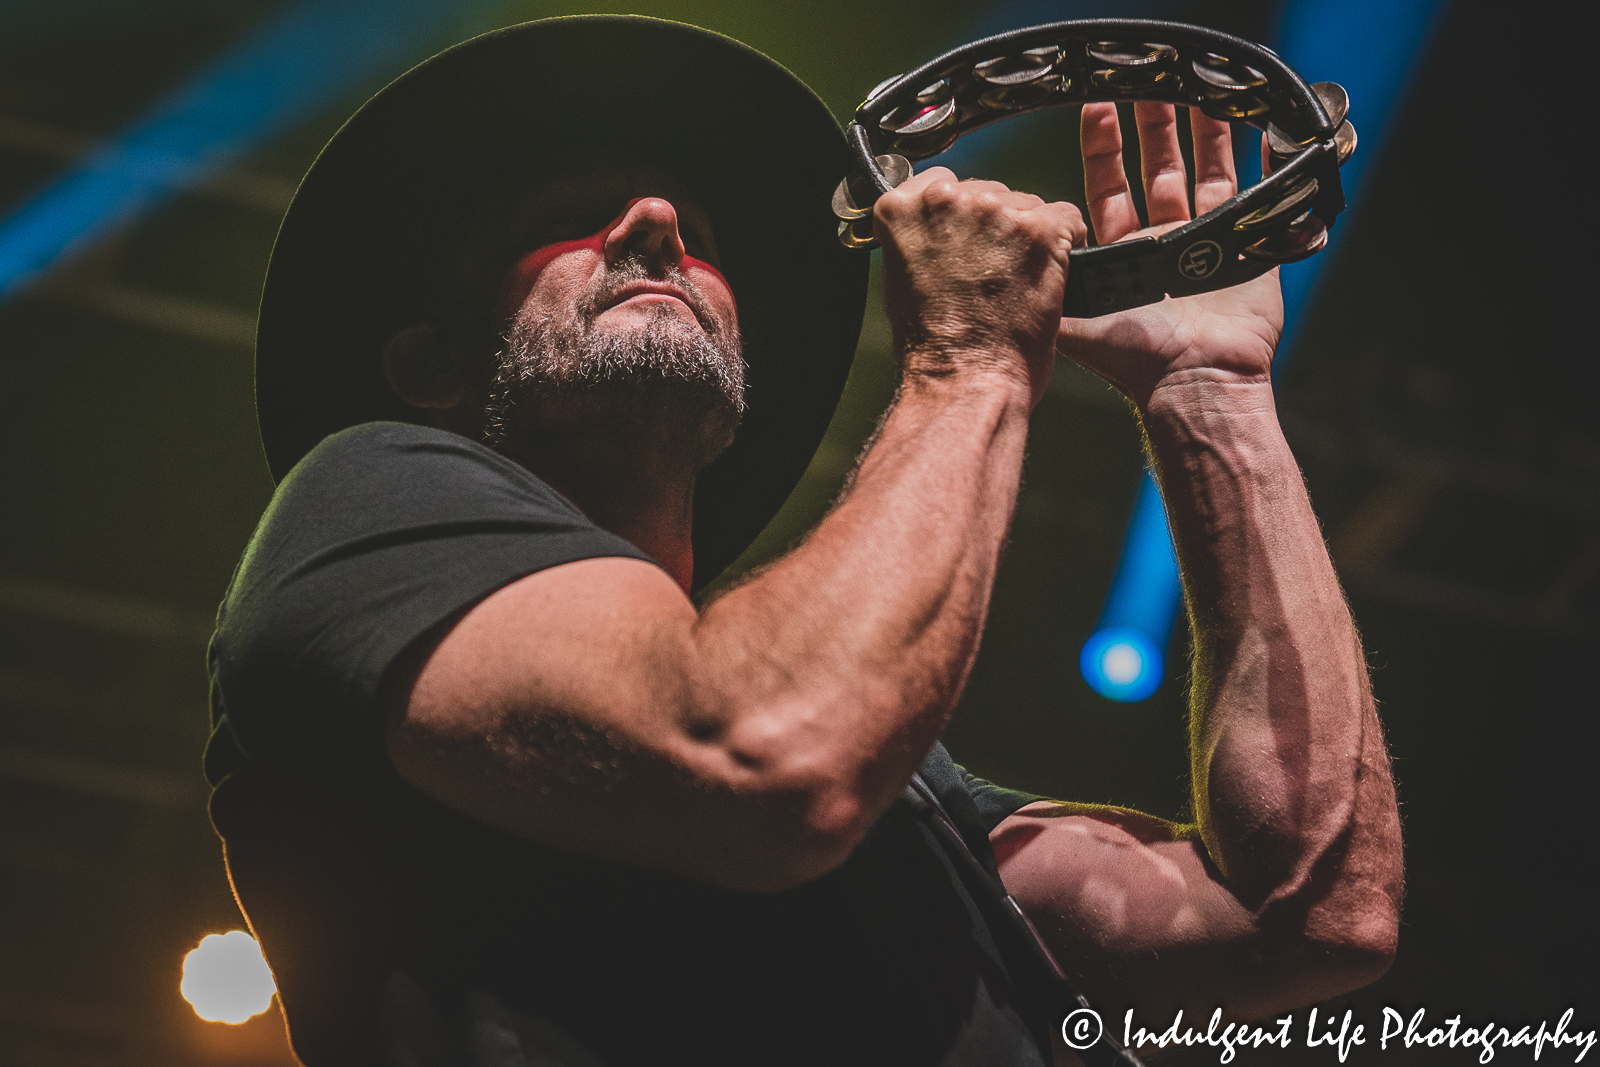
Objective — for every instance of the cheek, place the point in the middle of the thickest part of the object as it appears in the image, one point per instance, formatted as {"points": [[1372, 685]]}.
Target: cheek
{"points": [[712, 285], [522, 277]]}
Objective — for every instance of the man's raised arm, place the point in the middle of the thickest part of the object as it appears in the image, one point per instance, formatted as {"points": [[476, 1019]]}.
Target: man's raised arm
{"points": [[1287, 890], [591, 708]]}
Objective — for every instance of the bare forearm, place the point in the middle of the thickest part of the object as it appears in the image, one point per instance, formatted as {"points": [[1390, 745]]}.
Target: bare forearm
{"points": [[851, 651], [1291, 782]]}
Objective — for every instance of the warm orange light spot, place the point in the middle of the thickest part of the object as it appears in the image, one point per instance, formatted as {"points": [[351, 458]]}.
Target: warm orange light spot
{"points": [[225, 980]]}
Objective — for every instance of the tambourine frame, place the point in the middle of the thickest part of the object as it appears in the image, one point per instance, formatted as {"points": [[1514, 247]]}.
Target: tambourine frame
{"points": [[1241, 239]]}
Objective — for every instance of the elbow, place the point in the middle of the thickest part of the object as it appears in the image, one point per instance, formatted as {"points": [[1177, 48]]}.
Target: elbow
{"points": [[798, 839], [1364, 959], [789, 869], [805, 808], [1342, 969], [1369, 943], [1357, 925], [832, 824], [1351, 950]]}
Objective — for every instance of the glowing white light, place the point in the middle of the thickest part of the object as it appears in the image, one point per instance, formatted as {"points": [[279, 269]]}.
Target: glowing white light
{"points": [[1122, 663], [225, 980]]}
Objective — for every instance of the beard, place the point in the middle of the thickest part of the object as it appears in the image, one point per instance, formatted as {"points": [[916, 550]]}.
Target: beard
{"points": [[663, 390]]}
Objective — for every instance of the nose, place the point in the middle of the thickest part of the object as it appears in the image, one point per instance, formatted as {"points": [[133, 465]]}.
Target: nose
{"points": [[649, 229]]}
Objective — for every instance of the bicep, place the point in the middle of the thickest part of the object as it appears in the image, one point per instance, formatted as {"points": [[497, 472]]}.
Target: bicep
{"points": [[575, 709], [599, 641], [549, 704], [1140, 918]]}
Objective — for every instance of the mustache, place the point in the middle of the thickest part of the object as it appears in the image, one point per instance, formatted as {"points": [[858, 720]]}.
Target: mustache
{"points": [[636, 268]]}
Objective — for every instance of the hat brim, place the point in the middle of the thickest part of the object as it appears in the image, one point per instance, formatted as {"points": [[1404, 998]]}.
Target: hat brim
{"points": [[378, 217]]}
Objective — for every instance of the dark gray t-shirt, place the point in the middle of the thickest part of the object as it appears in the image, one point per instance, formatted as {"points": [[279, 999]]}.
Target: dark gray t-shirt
{"points": [[401, 932]]}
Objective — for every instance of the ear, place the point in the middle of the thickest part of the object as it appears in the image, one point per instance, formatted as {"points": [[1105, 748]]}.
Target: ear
{"points": [[422, 370]]}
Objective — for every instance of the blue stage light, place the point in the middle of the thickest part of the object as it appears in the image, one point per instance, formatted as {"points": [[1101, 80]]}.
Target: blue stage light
{"points": [[310, 54], [1121, 664], [1368, 46], [1144, 599]]}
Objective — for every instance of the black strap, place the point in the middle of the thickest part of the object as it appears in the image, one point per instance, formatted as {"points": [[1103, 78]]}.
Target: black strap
{"points": [[1105, 1052]]}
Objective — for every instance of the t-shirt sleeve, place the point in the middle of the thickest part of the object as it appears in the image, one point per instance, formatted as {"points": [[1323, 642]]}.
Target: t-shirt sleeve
{"points": [[975, 806], [979, 804], [995, 803], [381, 533]]}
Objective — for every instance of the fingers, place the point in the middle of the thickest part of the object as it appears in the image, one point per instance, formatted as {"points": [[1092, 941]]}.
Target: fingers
{"points": [[1214, 178], [1105, 182], [1067, 220], [924, 178], [1166, 181], [987, 195], [922, 181], [1059, 224]]}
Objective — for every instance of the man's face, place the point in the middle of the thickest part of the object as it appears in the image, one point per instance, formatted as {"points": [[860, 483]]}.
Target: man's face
{"points": [[619, 323]]}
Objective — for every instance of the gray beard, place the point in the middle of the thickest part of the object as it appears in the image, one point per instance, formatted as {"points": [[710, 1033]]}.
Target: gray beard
{"points": [[664, 390]]}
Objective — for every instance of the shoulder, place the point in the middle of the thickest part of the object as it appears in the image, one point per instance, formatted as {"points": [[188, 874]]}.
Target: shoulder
{"points": [[387, 487], [378, 468], [383, 532]]}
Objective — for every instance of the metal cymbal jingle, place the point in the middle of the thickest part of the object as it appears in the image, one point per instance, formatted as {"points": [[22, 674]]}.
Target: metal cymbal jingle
{"points": [[1302, 238], [1020, 68], [1133, 70], [1335, 101], [925, 125], [1220, 72], [1298, 196], [1131, 56], [1023, 80], [895, 168], [1345, 138], [1026, 96]]}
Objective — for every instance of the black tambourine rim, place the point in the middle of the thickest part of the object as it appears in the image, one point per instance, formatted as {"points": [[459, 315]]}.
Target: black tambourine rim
{"points": [[1215, 251]]}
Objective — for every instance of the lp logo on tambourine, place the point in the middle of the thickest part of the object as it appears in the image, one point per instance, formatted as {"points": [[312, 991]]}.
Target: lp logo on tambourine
{"points": [[1200, 260]]}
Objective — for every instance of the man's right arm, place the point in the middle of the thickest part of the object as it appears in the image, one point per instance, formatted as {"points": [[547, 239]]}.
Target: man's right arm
{"points": [[590, 707]]}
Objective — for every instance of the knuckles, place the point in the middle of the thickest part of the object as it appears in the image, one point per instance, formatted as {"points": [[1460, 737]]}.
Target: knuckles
{"points": [[945, 200]]}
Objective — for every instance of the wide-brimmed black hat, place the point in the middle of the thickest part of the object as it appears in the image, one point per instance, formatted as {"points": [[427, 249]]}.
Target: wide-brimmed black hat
{"points": [[383, 211]]}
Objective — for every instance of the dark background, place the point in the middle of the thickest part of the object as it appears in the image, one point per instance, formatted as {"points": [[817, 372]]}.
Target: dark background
{"points": [[1440, 399]]}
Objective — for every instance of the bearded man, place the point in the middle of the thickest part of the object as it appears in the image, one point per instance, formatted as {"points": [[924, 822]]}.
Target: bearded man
{"points": [[550, 331]]}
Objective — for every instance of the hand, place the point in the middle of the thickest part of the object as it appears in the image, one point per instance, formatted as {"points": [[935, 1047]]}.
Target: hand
{"points": [[974, 275], [1227, 335]]}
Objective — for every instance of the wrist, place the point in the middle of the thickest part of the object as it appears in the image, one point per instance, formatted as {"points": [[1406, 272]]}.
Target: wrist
{"points": [[1204, 394], [1233, 421], [996, 370]]}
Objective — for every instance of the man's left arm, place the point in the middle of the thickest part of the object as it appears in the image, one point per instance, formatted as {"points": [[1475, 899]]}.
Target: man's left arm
{"points": [[1287, 889]]}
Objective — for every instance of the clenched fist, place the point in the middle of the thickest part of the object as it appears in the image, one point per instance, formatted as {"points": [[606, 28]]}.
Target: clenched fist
{"points": [[974, 274]]}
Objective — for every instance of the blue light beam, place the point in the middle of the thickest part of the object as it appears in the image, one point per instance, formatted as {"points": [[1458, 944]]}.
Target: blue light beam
{"points": [[310, 53], [1368, 46]]}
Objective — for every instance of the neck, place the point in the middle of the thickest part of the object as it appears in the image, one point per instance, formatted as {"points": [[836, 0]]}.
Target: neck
{"points": [[626, 489]]}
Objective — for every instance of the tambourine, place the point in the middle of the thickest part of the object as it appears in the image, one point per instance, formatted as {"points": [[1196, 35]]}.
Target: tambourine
{"points": [[1283, 218]]}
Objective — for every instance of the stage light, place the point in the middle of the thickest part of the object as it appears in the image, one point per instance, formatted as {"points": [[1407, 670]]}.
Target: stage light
{"points": [[226, 980], [1121, 664], [309, 54], [1123, 659]]}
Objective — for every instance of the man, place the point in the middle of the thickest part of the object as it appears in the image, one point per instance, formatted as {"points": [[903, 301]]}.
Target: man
{"points": [[495, 791]]}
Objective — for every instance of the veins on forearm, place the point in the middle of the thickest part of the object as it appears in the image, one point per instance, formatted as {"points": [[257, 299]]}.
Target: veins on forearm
{"points": [[1280, 708]]}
